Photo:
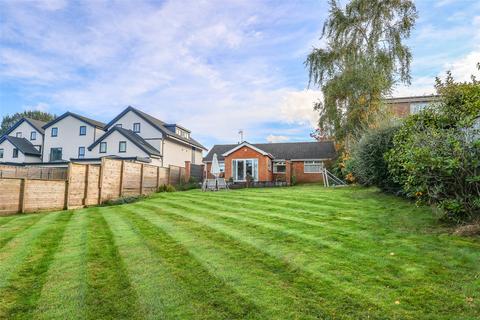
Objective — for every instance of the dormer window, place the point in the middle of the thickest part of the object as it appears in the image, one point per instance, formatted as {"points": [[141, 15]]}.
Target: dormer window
{"points": [[182, 133]]}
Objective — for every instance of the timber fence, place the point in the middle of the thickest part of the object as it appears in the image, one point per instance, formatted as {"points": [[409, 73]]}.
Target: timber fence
{"points": [[86, 185]]}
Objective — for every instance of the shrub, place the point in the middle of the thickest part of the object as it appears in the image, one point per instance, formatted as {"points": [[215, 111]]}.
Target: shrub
{"points": [[123, 200], [367, 163], [166, 188], [434, 159], [191, 184]]}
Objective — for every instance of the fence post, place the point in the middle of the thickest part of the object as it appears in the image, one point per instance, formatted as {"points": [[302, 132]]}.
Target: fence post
{"points": [[188, 170], [141, 179], [158, 178], [169, 173], [100, 181], [85, 190], [23, 188], [67, 187], [120, 193]]}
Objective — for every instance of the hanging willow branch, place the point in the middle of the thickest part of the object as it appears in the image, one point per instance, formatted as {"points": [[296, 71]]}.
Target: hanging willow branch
{"points": [[364, 58]]}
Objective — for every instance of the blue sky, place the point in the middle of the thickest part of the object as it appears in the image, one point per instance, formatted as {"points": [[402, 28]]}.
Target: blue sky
{"points": [[212, 66]]}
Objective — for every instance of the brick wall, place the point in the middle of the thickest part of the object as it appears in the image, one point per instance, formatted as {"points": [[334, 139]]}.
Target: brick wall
{"points": [[400, 110], [302, 177], [247, 153]]}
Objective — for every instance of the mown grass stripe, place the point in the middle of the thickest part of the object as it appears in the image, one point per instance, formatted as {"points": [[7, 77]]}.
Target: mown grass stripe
{"points": [[15, 227], [15, 251], [63, 294], [190, 291], [305, 255], [19, 299], [246, 268], [109, 292]]}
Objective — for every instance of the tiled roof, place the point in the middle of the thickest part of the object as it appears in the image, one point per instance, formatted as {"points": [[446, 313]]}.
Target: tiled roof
{"points": [[283, 151], [34, 123], [159, 124], [89, 121], [133, 137], [22, 144]]}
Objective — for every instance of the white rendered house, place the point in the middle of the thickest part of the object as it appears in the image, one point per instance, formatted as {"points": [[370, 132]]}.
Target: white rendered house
{"points": [[68, 137]]}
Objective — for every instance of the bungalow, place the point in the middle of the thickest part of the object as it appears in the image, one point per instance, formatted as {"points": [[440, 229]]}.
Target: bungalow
{"points": [[273, 161]]}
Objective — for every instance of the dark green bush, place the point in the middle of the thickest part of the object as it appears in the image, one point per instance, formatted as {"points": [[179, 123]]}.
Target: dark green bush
{"points": [[435, 157], [367, 162], [191, 184], [123, 200], [166, 188]]}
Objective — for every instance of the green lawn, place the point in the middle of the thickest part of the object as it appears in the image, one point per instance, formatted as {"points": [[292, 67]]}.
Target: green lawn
{"points": [[288, 253]]}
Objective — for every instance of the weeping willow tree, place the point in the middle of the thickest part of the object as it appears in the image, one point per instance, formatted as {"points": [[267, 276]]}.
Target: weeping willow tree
{"points": [[363, 59]]}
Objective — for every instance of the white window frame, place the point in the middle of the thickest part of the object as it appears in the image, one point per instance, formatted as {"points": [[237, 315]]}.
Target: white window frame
{"points": [[80, 156], [312, 164], [221, 166], [234, 172], [279, 163], [103, 143]]}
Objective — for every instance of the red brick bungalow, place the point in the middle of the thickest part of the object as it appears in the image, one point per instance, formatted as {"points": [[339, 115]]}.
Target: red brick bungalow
{"points": [[273, 161]]}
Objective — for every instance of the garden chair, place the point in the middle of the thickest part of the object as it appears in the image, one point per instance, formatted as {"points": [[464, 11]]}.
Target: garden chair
{"points": [[210, 184], [222, 184]]}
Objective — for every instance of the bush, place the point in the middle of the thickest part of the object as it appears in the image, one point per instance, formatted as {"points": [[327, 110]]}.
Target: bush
{"points": [[191, 184], [434, 157], [123, 200], [367, 163], [166, 188]]}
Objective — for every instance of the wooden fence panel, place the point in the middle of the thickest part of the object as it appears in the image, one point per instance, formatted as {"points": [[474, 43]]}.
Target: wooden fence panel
{"points": [[77, 180], [93, 180], [149, 179], [131, 178], [10, 195], [163, 176], [41, 195], [85, 185], [110, 179], [44, 173]]}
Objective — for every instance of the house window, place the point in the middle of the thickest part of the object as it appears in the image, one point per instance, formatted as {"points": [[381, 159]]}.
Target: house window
{"points": [[55, 154], [1, 153], [122, 146], [221, 165], [279, 167], [83, 130], [242, 168], [193, 155], [39, 148], [33, 135], [103, 147], [418, 107], [15, 153], [18, 134], [118, 125], [81, 152], [55, 132], [136, 127], [312, 166]]}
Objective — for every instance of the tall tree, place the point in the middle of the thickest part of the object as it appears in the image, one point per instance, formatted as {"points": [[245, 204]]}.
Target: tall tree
{"points": [[10, 120], [364, 58]]}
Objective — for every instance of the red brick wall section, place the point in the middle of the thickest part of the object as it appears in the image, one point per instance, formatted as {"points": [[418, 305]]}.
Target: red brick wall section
{"points": [[298, 171], [247, 153], [400, 110]]}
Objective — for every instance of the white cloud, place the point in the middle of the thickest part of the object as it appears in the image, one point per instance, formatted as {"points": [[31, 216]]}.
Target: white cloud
{"points": [[297, 106], [273, 138], [41, 106]]}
